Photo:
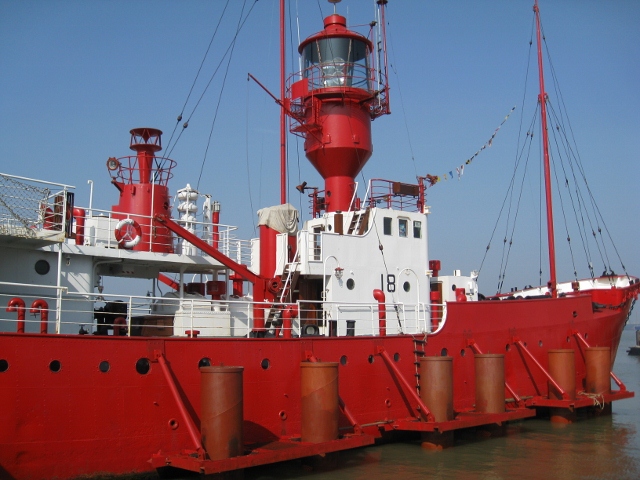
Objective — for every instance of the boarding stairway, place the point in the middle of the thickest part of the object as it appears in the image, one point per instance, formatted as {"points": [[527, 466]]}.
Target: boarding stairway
{"points": [[284, 290]]}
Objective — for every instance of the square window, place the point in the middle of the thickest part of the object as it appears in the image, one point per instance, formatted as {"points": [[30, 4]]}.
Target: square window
{"points": [[402, 227], [417, 229], [387, 225]]}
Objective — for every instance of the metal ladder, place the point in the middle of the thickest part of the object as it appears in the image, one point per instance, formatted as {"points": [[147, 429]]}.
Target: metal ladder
{"points": [[419, 346]]}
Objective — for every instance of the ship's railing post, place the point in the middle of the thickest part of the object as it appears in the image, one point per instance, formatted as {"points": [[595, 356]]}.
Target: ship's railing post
{"points": [[191, 317], [353, 197], [64, 227], [367, 193], [59, 286], [129, 316]]}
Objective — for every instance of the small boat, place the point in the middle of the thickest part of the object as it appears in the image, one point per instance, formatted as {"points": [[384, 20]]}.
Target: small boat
{"points": [[635, 349]]}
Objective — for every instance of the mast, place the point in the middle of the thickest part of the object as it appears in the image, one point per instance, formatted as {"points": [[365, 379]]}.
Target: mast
{"points": [[283, 125], [547, 168]]}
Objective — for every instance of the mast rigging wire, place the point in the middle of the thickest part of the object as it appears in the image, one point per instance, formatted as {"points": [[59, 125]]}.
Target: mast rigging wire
{"points": [[224, 81], [569, 174], [404, 113], [227, 51], [193, 84]]}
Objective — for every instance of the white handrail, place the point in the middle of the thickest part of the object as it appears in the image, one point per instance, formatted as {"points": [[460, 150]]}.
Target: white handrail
{"points": [[37, 181]]}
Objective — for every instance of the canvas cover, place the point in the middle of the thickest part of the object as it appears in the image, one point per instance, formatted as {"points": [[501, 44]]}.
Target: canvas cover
{"points": [[282, 218]]}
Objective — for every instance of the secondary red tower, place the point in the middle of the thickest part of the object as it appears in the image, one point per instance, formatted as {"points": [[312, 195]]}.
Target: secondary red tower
{"points": [[142, 182], [332, 104]]}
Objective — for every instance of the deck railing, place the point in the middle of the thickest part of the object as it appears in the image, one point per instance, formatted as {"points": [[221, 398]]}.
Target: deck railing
{"points": [[42, 210], [99, 314], [32, 208], [101, 225]]}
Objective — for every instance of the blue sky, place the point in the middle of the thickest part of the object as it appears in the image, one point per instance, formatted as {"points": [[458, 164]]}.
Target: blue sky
{"points": [[76, 76]]}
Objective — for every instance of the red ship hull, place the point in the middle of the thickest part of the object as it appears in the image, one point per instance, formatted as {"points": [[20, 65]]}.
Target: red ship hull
{"points": [[81, 421], [98, 403]]}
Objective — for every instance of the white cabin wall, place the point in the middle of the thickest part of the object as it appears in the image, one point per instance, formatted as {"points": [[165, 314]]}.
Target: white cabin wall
{"points": [[365, 268], [18, 266]]}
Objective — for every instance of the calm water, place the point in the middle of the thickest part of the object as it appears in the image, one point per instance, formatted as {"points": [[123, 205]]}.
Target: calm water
{"points": [[597, 448]]}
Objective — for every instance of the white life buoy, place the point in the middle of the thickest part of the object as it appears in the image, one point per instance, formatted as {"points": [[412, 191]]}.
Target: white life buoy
{"points": [[128, 233]]}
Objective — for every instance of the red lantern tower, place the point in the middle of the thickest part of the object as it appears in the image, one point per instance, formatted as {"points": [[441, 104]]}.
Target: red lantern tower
{"points": [[142, 182], [332, 104]]}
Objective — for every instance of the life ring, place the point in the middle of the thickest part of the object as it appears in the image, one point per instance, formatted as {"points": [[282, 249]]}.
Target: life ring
{"points": [[128, 233]]}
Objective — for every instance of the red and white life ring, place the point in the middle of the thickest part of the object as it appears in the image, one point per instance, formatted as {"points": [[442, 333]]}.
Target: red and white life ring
{"points": [[128, 233]]}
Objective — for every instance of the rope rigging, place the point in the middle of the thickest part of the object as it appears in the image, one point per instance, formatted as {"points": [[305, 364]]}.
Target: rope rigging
{"points": [[228, 52], [193, 84], [224, 82], [571, 188]]}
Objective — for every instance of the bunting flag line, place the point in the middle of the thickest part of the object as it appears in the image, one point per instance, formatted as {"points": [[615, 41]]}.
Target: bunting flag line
{"points": [[433, 179]]}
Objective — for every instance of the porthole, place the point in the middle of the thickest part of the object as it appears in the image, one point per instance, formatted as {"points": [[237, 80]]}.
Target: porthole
{"points": [[453, 287], [586, 335], [143, 366], [462, 352], [444, 352], [42, 267], [371, 358], [104, 366], [204, 362], [396, 357], [55, 366], [265, 364], [406, 286], [568, 339], [539, 343], [4, 365], [343, 360], [507, 347], [351, 284]]}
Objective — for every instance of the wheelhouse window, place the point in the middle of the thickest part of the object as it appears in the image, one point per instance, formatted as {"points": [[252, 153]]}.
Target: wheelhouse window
{"points": [[387, 225], [402, 227], [417, 229]]}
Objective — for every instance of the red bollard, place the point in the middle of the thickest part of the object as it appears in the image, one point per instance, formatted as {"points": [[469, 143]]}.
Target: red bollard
{"points": [[79, 215], [41, 307], [598, 366], [436, 391], [436, 309], [319, 405], [489, 383], [382, 311], [222, 414], [17, 305], [562, 368], [290, 312], [118, 323]]}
